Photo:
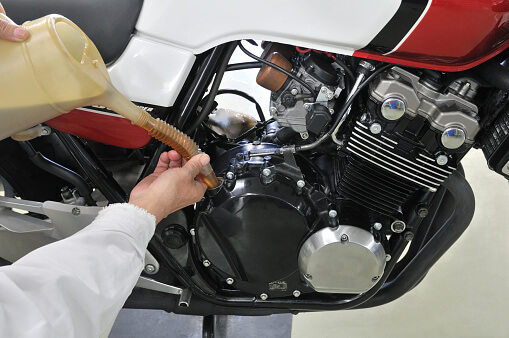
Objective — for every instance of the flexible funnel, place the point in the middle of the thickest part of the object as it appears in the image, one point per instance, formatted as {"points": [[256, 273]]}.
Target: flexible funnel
{"points": [[58, 69]]}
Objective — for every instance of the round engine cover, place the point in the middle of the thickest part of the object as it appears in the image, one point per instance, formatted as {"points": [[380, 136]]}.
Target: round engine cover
{"points": [[345, 259]]}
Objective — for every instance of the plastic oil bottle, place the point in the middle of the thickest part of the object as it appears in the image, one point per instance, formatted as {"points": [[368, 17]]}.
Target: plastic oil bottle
{"points": [[58, 69]]}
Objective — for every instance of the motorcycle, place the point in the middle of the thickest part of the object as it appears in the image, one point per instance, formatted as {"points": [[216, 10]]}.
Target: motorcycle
{"points": [[344, 199]]}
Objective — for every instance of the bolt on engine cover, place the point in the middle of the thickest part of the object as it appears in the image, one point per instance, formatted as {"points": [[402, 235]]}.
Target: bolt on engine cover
{"points": [[345, 259]]}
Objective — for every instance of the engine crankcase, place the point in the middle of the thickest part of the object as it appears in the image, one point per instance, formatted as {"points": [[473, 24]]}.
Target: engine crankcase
{"points": [[251, 229]]}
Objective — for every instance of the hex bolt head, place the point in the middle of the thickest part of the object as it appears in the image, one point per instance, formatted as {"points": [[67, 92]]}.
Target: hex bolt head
{"points": [[294, 91], [388, 257], [442, 160], [263, 296], [76, 211], [364, 117], [375, 128], [324, 90], [307, 106], [230, 175], [344, 238], [206, 263], [45, 131], [422, 212], [301, 184], [377, 226], [331, 111], [150, 268], [266, 172], [398, 226], [229, 281], [273, 110], [409, 236], [296, 293], [333, 214], [304, 136], [329, 96], [192, 232]]}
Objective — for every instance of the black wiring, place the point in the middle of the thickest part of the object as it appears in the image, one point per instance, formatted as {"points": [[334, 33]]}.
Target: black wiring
{"points": [[347, 69], [252, 130], [243, 65], [282, 70], [349, 102]]}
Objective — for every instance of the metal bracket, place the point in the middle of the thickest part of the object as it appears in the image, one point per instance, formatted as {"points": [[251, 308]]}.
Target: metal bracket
{"points": [[289, 167], [151, 284], [64, 220]]}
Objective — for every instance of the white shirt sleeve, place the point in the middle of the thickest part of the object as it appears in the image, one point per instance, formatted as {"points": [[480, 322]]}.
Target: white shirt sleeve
{"points": [[76, 287]]}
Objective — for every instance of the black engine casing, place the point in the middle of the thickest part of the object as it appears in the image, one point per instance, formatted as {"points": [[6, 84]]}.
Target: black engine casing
{"points": [[252, 228]]}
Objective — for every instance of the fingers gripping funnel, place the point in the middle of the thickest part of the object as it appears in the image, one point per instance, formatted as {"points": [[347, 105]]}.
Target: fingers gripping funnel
{"points": [[57, 69]]}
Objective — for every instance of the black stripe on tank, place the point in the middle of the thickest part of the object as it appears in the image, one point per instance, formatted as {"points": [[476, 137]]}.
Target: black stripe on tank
{"points": [[406, 16]]}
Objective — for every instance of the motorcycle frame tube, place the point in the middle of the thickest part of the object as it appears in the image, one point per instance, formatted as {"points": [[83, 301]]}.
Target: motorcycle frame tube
{"points": [[93, 169], [199, 85], [459, 191], [188, 103], [58, 170]]}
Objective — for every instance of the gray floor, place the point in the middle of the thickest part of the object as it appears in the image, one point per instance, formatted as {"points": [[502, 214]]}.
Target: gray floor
{"points": [[154, 324]]}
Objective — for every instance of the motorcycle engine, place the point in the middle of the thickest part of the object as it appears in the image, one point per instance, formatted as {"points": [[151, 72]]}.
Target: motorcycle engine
{"points": [[282, 224]]}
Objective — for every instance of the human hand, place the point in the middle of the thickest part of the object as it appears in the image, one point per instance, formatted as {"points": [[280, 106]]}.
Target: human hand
{"points": [[9, 30], [172, 186]]}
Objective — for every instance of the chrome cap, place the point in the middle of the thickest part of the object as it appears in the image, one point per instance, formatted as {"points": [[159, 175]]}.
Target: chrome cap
{"points": [[393, 109], [453, 138]]}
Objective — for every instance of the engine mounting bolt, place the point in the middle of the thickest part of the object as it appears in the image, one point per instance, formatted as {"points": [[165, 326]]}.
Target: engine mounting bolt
{"points": [[324, 90], [304, 135], [375, 128], [76, 211], [296, 293], [307, 106], [266, 172], [409, 236], [422, 212], [387, 257], [192, 232], [230, 175], [377, 226], [301, 183], [442, 160], [344, 238], [273, 110], [398, 226], [206, 263], [229, 281], [150, 268], [263, 296], [333, 214], [294, 91]]}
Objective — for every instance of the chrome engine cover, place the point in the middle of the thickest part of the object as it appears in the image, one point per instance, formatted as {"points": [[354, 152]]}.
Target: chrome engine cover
{"points": [[344, 259]]}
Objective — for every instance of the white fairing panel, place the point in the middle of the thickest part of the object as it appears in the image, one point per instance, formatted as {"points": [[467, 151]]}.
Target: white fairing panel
{"points": [[340, 26], [151, 72]]}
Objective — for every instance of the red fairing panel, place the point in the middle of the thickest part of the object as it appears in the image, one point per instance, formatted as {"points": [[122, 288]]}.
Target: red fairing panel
{"points": [[101, 127], [453, 35]]}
